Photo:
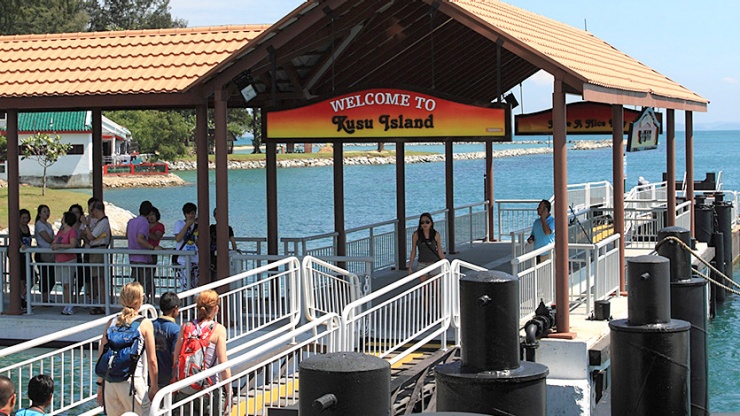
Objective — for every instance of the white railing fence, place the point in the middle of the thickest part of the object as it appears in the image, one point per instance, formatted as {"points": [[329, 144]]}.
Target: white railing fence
{"points": [[536, 273], [113, 270], [255, 304], [594, 271], [72, 367], [384, 321], [458, 269], [327, 288], [263, 377]]}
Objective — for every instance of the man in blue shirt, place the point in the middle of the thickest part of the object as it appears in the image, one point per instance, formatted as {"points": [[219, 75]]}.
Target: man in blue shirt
{"points": [[543, 228], [165, 335]]}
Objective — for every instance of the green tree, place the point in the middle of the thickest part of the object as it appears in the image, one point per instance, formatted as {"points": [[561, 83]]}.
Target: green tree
{"points": [[163, 133], [45, 150], [255, 127], [131, 15], [42, 16]]}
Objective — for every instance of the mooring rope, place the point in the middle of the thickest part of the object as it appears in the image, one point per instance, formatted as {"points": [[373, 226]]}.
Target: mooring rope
{"points": [[695, 254]]}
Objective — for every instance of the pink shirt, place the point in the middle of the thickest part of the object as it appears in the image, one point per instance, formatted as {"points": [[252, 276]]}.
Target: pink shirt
{"points": [[65, 238]]}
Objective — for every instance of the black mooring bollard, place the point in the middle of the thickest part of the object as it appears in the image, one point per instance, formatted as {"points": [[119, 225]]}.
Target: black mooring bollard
{"points": [[344, 383], [724, 222], [490, 378], [718, 242], [688, 303], [680, 258], [650, 354]]}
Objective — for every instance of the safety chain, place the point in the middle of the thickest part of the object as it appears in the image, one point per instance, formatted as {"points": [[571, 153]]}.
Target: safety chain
{"points": [[695, 254]]}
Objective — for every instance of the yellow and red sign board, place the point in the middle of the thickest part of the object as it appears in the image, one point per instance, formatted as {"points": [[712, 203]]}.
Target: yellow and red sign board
{"points": [[582, 118], [386, 113]]}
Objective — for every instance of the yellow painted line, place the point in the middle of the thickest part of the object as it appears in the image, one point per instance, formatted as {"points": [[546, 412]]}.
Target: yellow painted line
{"points": [[250, 406], [407, 359]]}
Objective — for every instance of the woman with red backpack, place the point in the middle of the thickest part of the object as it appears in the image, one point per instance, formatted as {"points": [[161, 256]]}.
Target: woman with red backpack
{"points": [[201, 345]]}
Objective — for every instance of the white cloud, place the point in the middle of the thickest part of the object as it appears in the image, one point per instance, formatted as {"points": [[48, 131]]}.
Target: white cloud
{"points": [[729, 80]]}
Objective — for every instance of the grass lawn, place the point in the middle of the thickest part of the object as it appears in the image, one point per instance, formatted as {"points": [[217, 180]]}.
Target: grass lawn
{"points": [[58, 201]]}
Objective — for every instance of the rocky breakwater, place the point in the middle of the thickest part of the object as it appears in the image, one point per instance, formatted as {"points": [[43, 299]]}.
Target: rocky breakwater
{"points": [[364, 160], [591, 144], [136, 181]]}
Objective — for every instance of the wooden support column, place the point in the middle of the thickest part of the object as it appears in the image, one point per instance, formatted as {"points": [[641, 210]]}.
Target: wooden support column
{"points": [[222, 186], [97, 153], [271, 184], [201, 154], [450, 196], [618, 182], [14, 231], [488, 192], [560, 174], [339, 198], [401, 205], [671, 167], [690, 166]]}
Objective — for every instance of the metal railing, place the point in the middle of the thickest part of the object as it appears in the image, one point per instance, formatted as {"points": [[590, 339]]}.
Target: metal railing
{"points": [[594, 271], [392, 325], [110, 272], [642, 224], [456, 268], [536, 273], [263, 377], [327, 288], [376, 240], [72, 367], [256, 304]]}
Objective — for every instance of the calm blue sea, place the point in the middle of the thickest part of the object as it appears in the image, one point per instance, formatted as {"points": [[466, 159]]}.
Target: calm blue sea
{"points": [[305, 204]]}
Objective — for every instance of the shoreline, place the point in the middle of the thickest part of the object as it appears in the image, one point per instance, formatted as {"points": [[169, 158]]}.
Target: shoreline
{"points": [[382, 160]]}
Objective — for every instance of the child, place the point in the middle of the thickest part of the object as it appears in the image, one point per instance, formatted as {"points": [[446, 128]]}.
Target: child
{"points": [[40, 392], [165, 335]]}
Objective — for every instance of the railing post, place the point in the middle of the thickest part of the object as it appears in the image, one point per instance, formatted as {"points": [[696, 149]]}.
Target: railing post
{"points": [[396, 256], [470, 224], [498, 210], [591, 276], [372, 243], [107, 291]]}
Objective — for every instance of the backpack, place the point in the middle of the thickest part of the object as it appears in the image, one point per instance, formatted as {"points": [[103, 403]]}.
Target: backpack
{"points": [[192, 355], [121, 353]]}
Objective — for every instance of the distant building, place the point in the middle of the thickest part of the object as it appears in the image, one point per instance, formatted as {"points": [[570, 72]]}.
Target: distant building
{"points": [[74, 127]]}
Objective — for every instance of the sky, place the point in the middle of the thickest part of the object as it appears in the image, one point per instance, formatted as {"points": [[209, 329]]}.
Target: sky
{"points": [[692, 43]]}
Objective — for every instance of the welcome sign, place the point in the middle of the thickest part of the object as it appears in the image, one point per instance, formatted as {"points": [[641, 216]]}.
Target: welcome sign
{"points": [[386, 114]]}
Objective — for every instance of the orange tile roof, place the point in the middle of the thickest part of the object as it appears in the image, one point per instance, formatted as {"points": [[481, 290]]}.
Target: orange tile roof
{"points": [[123, 62], [579, 52]]}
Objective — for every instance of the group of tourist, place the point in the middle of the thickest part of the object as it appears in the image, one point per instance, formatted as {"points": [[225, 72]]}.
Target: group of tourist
{"points": [[80, 273], [138, 356], [145, 231], [165, 352], [77, 231]]}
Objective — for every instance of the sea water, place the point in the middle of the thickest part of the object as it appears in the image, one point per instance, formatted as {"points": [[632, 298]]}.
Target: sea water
{"points": [[305, 204]]}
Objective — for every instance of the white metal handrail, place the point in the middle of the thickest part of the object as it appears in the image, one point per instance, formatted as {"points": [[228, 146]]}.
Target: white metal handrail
{"points": [[257, 374], [72, 367], [256, 304], [536, 273], [456, 269], [409, 319], [327, 288]]}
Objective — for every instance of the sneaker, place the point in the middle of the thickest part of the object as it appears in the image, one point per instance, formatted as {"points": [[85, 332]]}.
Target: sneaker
{"points": [[65, 311], [71, 310]]}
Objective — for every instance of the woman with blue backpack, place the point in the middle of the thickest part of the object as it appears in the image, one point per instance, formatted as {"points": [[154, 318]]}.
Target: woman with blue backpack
{"points": [[127, 358]]}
